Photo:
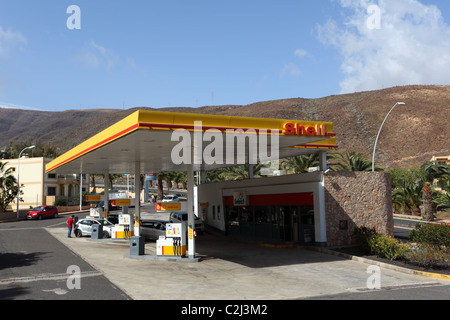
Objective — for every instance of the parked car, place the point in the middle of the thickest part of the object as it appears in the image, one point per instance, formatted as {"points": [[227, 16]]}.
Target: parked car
{"points": [[42, 212], [171, 198], [113, 218], [84, 227], [101, 204], [152, 229], [182, 217]]}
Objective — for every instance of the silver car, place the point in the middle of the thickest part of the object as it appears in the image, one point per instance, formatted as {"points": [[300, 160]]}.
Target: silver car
{"points": [[84, 227], [152, 229], [182, 217]]}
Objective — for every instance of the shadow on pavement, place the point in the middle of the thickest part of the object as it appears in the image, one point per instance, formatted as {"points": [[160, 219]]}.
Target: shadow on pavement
{"points": [[14, 260], [254, 255]]}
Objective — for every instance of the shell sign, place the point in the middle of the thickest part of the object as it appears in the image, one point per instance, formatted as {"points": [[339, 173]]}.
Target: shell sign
{"points": [[168, 206]]}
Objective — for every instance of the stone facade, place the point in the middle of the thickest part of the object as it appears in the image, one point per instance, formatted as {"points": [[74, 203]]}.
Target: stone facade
{"points": [[357, 199]]}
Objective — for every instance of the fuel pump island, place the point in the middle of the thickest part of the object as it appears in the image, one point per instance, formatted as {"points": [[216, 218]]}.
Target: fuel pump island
{"points": [[174, 243], [124, 229]]}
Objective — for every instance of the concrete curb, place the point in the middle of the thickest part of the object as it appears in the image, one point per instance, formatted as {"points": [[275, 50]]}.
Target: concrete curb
{"points": [[437, 276], [156, 258]]}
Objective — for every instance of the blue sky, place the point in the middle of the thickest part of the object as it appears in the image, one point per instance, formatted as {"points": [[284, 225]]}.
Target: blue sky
{"points": [[196, 53]]}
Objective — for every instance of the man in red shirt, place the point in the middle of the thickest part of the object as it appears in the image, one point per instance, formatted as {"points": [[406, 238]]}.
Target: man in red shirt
{"points": [[70, 224]]}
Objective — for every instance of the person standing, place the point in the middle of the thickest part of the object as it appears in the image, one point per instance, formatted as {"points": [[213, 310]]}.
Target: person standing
{"points": [[70, 224]]}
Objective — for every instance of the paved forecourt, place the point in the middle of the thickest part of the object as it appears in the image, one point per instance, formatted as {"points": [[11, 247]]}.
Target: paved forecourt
{"points": [[233, 270]]}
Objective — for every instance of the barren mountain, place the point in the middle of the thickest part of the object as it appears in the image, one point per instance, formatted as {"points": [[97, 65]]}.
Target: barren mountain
{"points": [[414, 133]]}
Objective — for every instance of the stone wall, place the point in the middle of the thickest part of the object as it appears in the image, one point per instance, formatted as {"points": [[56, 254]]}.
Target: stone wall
{"points": [[357, 199]]}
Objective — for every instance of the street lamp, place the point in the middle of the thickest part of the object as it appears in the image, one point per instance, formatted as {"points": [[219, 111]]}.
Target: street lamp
{"points": [[18, 182], [376, 141]]}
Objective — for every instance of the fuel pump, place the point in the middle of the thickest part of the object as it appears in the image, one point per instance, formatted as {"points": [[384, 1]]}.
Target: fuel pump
{"points": [[96, 212], [125, 228], [174, 243]]}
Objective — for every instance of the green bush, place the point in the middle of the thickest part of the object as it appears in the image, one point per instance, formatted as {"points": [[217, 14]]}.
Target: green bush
{"points": [[373, 243], [432, 248], [61, 201], [433, 234], [386, 247], [427, 256]]}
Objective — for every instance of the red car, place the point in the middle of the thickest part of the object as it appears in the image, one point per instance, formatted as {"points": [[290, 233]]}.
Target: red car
{"points": [[43, 212]]}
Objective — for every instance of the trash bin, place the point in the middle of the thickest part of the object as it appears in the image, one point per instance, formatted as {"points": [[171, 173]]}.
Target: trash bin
{"points": [[97, 231], [137, 246]]}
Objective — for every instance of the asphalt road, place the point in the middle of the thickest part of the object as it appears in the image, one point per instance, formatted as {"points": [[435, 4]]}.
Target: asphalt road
{"points": [[34, 265]]}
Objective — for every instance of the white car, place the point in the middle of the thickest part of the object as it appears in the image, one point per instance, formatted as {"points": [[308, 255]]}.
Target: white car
{"points": [[171, 198], [84, 227]]}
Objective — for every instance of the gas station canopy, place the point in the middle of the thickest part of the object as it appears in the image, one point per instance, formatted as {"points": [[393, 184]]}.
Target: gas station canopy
{"points": [[145, 137]]}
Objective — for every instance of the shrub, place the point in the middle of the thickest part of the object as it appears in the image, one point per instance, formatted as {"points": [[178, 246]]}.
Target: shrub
{"points": [[429, 252], [61, 201], [386, 247], [433, 234], [371, 242], [427, 256]]}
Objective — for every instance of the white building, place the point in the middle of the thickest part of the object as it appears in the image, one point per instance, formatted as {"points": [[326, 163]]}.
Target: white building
{"points": [[41, 188]]}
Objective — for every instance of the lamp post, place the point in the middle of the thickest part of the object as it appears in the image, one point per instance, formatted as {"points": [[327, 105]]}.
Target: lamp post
{"points": [[18, 181], [376, 141]]}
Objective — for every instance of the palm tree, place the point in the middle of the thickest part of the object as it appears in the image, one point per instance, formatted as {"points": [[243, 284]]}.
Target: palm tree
{"points": [[441, 200], [214, 175], [400, 200], [180, 177], [167, 176], [409, 198], [235, 173], [429, 171], [8, 187], [352, 161], [301, 164], [112, 178], [160, 176], [241, 172], [92, 178]]}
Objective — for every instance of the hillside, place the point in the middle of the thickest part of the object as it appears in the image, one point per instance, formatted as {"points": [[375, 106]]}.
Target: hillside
{"points": [[413, 134]]}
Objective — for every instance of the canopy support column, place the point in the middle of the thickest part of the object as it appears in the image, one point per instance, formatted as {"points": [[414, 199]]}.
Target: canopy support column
{"points": [[81, 188], [106, 202], [137, 197], [323, 161], [191, 204]]}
